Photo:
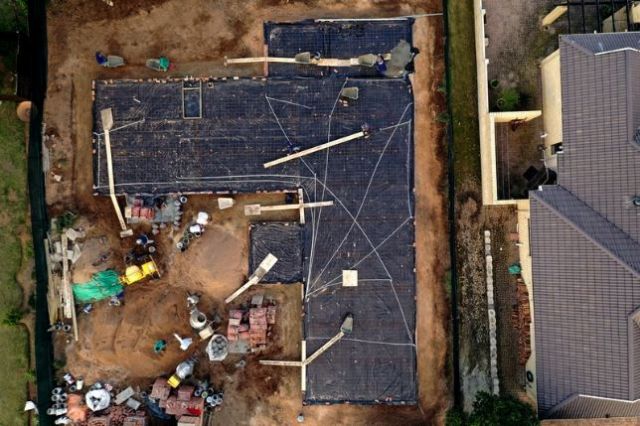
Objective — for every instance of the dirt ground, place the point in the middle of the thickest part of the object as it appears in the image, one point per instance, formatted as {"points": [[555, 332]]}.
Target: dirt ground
{"points": [[116, 342]]}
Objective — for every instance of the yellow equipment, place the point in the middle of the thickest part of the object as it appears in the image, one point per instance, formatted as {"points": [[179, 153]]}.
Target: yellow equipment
{"points": [[183, 370], [174, 381], [135, 273]]}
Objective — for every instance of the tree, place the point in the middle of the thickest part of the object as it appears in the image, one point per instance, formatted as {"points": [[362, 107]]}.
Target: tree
{"points": [[489, 410], [456, 417], [492, 410], [13, 15]]}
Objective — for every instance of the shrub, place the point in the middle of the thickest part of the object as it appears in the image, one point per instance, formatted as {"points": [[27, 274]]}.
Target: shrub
{"points": [[509, 100], [491, 410], [13, 317]]}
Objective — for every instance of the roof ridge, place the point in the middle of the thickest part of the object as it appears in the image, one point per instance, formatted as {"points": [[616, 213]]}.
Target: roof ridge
{"points": [[590, 236], [574, 44]]}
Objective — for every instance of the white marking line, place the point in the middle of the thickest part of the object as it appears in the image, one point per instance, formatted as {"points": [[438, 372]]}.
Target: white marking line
{"points": [[372, 251], [121, 127], [394, 126], [404, 318], [243, 176], [287, 102], [177, 182], [409, 172], [366, 193], [313, 232], [324, 287], [374, 342], [326, 167], [99, 149], [276, 117]]}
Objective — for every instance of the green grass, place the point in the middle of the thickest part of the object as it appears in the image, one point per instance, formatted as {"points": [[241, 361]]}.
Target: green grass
{"points": [[463, 91], [13, 208]]}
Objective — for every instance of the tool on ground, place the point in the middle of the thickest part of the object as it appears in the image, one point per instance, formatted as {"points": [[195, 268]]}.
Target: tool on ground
{"points": [[159, 346], [109, 61], [135, 273], [317, 148], [185, 342], [264, 267], [162, 64], [307, 58], [107, 123], [183, 370]]}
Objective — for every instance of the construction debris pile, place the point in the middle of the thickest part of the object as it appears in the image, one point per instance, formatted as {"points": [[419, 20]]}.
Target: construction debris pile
{"points": [[187, 403], [63, 250], [521, 319], [194, 230], [157, 210], [249, 326], [101, 405], [104, 405]]}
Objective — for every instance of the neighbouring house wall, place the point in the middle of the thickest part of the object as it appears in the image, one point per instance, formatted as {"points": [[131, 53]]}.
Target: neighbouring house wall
{"points": [[551, 98], [488, 119]]}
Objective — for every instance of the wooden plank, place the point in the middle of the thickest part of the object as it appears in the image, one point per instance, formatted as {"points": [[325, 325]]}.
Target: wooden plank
{"points": [[69, 302], [257, 209], [322, 62], [281, 363], [66, 289], [314, 149], [296, 206], [264, 267], [107, 122], [74, 320], [552, 16], [259, 59], [52, 299], [303, 370], [324, 348]]}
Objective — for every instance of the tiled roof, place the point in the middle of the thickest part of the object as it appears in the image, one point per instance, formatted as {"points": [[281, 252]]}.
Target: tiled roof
{"points": [[603, 43], [585, 237]]}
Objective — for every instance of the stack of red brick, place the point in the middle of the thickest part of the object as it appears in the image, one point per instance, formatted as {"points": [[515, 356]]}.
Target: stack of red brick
{"points": [[187, 408], [257, 329]]}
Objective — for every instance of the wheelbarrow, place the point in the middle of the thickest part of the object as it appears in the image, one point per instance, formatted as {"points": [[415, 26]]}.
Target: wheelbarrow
{"points": [[161, 64], [109, 61]]}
